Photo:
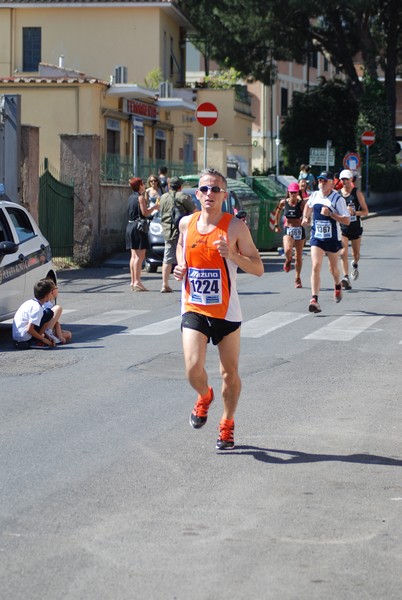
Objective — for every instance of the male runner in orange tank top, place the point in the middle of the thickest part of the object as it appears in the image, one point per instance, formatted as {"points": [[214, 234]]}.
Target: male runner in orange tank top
{"points": [[211, 246]]}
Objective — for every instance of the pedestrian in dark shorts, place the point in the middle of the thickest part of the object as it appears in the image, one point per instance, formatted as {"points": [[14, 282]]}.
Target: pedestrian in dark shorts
{"points": [[211, 246], [329, 211], [357, 207]]}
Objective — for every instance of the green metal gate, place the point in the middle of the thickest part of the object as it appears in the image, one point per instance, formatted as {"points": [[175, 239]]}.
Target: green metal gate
{"points": [[56, 213]]}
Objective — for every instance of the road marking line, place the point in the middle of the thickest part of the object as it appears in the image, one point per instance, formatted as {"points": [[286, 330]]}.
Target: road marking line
{"points": [[158, 328], [344, 329], [268, 322], [107, 318]]}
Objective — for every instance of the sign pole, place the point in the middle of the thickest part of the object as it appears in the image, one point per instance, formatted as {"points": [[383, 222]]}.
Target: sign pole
{"points": [[367, 173], [205, 147], [134, 152], [206, 115], [277, 142], [329, 146], [368, 139]]}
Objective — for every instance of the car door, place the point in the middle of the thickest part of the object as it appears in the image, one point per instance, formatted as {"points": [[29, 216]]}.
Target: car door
{"points": [[32, 249], [12, 271]]}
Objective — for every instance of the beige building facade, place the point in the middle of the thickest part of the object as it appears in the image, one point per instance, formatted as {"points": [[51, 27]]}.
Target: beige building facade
{"points": [[94, 37], [80, 68], [83, 68]]}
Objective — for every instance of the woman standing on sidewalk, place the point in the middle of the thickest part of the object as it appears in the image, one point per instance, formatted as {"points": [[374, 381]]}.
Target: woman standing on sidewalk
{"points": [[153, 191], [137, 239]]}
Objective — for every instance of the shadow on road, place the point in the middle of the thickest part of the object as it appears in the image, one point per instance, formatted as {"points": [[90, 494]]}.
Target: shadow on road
{"points": [[294, 457], [81, 334]]}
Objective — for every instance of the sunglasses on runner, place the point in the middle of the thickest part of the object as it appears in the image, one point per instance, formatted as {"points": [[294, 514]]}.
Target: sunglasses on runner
{"points": [[212, 188]]}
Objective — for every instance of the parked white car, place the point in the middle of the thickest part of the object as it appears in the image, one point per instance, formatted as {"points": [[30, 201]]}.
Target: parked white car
{"points": [[25, 257]]}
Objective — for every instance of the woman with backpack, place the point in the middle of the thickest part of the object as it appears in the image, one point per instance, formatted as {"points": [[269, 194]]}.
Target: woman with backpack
{"points": [[173, 205]]}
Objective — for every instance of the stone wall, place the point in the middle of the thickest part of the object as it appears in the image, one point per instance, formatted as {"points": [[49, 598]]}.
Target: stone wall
{"points": [[29, 192], [113, 200], [80, 162], [100, 210]]}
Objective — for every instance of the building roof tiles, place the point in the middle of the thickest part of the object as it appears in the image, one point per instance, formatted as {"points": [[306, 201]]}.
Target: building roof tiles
{"points": [[33, 79], [2, 2]]}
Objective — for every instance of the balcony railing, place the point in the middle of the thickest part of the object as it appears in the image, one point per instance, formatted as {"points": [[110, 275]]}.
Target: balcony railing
{"points": [[119, 169]]}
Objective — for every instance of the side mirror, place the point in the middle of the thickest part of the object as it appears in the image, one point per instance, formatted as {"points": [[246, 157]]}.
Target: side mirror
{"points": [[8, 247]]}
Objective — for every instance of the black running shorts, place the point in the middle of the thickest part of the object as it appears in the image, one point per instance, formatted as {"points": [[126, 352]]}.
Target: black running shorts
{"points": [[326, 245], [213, 329]]}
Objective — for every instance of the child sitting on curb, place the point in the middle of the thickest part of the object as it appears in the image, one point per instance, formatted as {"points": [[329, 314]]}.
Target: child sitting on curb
{"points": [[31, 319], [57, 334]]}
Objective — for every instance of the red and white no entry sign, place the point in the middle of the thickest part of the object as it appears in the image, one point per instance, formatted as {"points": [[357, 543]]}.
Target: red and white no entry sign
{"points": [[368, 138], [206, 114]]}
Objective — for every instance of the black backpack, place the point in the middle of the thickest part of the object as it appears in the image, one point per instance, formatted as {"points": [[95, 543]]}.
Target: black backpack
{"points": [[163, 184], [177, 213]]}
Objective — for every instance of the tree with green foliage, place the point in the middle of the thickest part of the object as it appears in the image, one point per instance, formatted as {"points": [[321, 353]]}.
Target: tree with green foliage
{"points": [[222, 79], [153, 79], [372, 117], [327, 112], [249, 35]]}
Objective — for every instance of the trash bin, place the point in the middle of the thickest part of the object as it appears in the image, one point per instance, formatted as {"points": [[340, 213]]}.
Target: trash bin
{"points": [[248, 201], [269, 193]]}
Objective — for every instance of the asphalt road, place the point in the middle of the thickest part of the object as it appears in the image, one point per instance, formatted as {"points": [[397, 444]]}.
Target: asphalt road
{"points": [[107, 492]]}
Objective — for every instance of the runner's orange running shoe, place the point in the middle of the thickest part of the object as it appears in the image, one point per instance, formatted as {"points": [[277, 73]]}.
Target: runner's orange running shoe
{"points": [[199, 416], [226, 435]]}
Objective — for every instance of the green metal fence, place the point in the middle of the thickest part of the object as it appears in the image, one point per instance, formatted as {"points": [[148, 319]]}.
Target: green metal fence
{"points": [[119, 169], [56, 211]]}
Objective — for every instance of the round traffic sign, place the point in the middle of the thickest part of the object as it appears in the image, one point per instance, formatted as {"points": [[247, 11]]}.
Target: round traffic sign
{"points": [[368, 138], [351, 161], [206, 114]]}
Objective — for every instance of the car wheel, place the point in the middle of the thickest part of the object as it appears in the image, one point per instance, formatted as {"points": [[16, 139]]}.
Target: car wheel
{"points": [[150, 268]]}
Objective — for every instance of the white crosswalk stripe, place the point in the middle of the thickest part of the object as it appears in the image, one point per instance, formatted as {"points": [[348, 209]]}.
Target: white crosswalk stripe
{"points": [[268, 322], [107, 318], [158, 328], [344, 329]]}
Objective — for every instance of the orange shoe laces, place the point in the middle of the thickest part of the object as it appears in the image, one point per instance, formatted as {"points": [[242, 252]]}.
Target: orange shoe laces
{"points": [[226, 430], [202, 405]]}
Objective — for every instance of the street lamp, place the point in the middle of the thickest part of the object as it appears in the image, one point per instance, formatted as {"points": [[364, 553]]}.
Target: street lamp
{"points": [[277, 142]]}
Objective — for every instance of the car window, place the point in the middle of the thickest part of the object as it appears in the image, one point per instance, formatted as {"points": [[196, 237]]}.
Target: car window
{"points": [[22, 224], [5, 233], [236, 205], [231, 204]]}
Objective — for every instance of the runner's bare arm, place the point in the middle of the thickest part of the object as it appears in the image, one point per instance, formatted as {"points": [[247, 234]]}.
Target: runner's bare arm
{"points": [[181, 267], [278, 210], [241, 249], [364, 211], [306, 215]]}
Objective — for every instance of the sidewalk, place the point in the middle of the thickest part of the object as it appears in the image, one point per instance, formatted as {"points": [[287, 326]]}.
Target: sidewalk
{"points": [[120, 260]]}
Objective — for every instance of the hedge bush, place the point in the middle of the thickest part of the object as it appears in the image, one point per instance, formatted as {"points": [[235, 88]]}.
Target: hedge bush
{"points": [[383, 178]]}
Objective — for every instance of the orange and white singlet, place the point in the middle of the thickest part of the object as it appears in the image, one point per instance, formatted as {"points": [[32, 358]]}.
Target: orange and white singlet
{"points": [[209, 287]]}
